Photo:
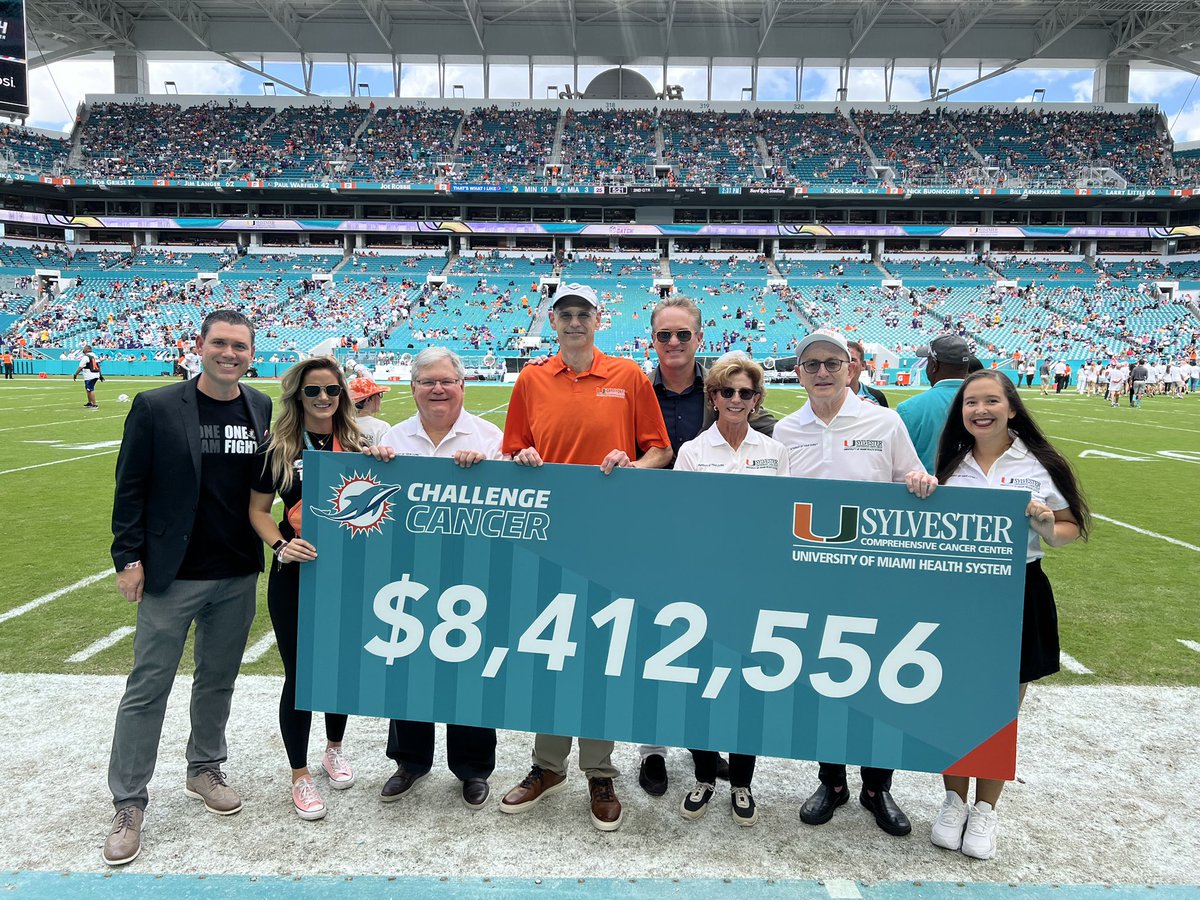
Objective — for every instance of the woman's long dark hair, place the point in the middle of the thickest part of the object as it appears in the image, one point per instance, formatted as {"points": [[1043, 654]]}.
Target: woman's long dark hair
{"points": [[957, 442]]}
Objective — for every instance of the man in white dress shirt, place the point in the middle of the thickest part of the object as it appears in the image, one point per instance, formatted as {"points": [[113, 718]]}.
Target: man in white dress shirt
{"points": [[837, 435], [441, 428]]}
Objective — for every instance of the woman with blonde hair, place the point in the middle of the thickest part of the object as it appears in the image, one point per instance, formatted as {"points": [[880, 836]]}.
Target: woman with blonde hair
{"points": [[315, 414], [734, 389]]}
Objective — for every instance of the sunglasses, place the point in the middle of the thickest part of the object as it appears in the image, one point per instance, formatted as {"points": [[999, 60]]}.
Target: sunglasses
{"points": [[812, 366], [664, 337], [312, 391], [742, 393]]}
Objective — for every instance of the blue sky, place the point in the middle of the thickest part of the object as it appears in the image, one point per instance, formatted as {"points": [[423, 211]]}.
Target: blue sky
{"points": [[55, 90]]}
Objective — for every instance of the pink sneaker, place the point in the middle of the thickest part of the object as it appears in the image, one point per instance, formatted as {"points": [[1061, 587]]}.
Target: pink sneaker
{"points": [[307, 799], [337, 767]]}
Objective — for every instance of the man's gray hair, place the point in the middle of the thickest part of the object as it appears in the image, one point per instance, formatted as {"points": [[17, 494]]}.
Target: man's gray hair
{"points": [[678, 301], [433, 355]]}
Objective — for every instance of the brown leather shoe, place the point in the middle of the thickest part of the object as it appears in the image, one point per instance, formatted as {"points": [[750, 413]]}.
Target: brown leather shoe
{"points": [[124, 840], [537, 784], [606, 808]]}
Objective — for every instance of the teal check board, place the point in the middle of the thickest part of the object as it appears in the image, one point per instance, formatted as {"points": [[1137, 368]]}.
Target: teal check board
{"points": [[786, 617]]}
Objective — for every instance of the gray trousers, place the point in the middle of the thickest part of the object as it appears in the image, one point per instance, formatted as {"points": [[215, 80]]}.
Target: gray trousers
{"points": [[223, 611]]}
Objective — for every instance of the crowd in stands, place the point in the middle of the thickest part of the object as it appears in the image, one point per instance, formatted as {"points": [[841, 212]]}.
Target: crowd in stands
{"points": [[148, 301], [610, 146], [943, 146]]}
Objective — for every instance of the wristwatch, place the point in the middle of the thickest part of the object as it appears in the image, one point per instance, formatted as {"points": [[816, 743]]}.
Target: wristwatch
{"points": [[278, 545]]}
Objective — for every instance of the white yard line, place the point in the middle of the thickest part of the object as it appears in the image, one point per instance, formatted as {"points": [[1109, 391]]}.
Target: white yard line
{"points": [[1131, 422], [1191, 645], [53, 595], [1071, 664], [1153, 534], [1119, 449], [101, 645], [84, 418], [259, 649], [58, 462]]}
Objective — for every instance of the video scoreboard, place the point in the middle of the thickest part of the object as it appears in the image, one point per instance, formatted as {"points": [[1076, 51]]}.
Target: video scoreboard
{"points": [[14, 66]]}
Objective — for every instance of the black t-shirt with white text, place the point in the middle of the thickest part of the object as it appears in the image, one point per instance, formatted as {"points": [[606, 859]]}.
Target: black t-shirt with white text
{"points": [[222, 544]]}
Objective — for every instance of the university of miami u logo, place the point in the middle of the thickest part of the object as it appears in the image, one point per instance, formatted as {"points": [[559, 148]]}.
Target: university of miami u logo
{"points": [[802, 526]]}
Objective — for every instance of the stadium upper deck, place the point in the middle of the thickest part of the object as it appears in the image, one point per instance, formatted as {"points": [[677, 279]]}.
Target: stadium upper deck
{"points": [[553, 145]]}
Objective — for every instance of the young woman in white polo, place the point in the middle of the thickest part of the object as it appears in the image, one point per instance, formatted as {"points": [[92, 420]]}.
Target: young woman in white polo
{"points": [[990, 441]]}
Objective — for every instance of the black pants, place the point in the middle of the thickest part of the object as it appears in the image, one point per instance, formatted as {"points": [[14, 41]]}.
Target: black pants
{"points": [[741, 767], [1028, 381], [8, 370], [283, 600], [470, 751], [834, 774]]}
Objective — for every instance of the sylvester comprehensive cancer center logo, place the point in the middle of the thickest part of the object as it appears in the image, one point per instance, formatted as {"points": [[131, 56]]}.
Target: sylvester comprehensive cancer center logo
{"points": [[802, 526], [361, 504]]}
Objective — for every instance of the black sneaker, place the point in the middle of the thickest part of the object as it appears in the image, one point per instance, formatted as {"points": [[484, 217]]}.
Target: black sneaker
{"points": [[653, 775], [744, 811], [695, 802]]}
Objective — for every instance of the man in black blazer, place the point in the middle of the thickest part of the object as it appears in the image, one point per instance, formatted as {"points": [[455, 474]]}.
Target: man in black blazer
{"points": [[184, 552]]}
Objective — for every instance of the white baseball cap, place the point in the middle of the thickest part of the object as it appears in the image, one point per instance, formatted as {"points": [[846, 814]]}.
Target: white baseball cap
{"points": [[823, 335], [571, 291]]}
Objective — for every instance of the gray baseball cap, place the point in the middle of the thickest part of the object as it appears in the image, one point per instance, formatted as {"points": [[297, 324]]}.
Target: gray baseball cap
{"points": [[949, 348]]}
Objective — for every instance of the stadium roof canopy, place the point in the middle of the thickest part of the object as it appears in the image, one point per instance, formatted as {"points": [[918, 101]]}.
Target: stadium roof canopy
{"points": [[993, 36]]}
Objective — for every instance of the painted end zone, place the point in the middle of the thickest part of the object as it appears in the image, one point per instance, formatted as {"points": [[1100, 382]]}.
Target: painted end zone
{"points": [[132, 886]]}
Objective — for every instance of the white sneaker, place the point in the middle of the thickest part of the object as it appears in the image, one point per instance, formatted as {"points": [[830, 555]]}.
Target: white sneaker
{"points": [[948, 826], [979, 840]]}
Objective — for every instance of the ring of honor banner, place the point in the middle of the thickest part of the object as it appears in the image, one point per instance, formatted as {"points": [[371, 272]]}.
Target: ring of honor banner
{"points": [[784, 617]]}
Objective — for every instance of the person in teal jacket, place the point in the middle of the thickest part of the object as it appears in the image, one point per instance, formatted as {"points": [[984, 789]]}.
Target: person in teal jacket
{"points": [[924, 415]]}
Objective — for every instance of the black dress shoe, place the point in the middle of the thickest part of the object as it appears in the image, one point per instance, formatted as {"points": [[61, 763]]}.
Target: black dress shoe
{"points": [[818, 809], [399, 784], [722, 768], [653, 775], [475, 792], [888, 815]]}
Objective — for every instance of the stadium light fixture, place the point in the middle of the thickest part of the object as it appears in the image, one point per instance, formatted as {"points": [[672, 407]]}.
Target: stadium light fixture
{"points": [[747, 94], [364, 88], [169, 87], [457, 90], [271, 85], [1039, 95], [551, 91]]}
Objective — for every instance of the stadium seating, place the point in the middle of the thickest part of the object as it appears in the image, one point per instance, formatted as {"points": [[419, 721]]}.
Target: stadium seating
{"points": [[944, 146]]}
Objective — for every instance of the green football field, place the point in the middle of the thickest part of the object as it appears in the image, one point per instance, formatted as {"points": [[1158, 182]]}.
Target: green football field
{"points": [[1129, 600]]}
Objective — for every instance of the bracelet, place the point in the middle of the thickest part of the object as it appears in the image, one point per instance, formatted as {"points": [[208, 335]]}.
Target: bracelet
{"points": [[133, 565], [278, 545]]}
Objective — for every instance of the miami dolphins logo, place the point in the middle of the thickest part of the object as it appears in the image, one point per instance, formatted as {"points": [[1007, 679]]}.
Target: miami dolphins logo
{"points": [[360, 503]]}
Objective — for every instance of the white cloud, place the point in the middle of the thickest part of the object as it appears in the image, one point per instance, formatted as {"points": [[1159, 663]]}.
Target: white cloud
{"points": [[1152, 85], [74, 79], [1081, 91], [195, 77], [1186, 126], [693, 80]]}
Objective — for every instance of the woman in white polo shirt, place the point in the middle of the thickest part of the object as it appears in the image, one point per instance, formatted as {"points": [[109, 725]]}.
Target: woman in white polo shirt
{"points": [[990, 441], [734, 388]]}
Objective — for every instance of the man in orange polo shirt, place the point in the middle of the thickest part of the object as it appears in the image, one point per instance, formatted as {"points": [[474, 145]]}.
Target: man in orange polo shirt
{"points": [[584, 408]]}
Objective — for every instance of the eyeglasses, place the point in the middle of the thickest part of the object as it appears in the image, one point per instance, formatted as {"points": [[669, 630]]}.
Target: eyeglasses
{"points": [[431, 383], [813, 366], [664, 337], [312, 391], [743, 393]]}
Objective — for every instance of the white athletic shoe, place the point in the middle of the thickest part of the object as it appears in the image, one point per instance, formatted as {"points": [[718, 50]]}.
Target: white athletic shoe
{"points": [[948, 826], [979, 840]]}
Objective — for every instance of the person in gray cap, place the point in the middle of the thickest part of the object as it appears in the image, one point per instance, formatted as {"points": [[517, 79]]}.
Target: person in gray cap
{"points": [[925, 414]]}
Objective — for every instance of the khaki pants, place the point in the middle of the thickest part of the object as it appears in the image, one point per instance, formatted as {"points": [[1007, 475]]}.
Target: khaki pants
{"points": [[550, 752]]}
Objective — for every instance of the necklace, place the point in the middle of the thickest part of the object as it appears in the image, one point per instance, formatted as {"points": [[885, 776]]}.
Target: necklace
{"points": [[321, 441]]}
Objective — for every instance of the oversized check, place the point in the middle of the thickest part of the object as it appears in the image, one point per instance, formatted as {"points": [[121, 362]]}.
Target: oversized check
{"points": [[788, 617]]}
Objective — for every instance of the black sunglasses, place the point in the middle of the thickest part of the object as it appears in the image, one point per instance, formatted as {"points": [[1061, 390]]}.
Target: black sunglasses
{"points": [[312, 391], [743, 393], [664, 337], [813, 366]]}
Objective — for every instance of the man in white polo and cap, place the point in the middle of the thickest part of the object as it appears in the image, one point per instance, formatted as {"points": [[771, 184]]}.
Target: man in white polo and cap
{"points": [[837, 435]]}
